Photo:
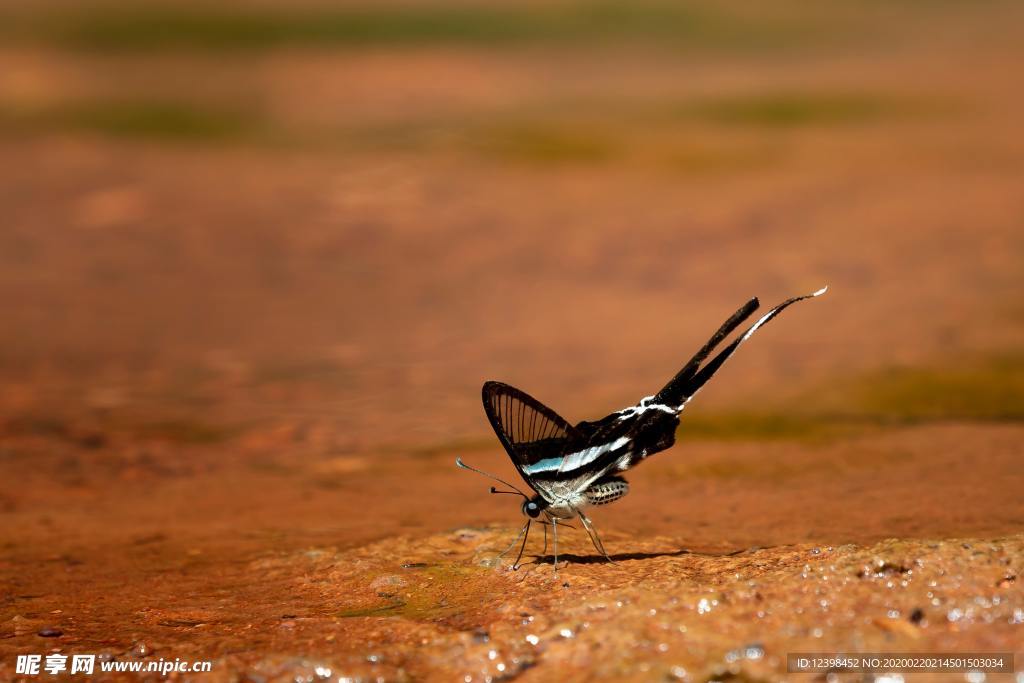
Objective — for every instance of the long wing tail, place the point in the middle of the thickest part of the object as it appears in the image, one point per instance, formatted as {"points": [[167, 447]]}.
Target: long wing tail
{"points": [[692, 377], [673, 393]]}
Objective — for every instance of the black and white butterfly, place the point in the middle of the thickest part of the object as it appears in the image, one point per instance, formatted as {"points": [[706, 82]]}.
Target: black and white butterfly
{"points": [[571, 467]]}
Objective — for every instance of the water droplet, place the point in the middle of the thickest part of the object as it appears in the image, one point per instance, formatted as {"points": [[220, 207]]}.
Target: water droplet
{"points": [[954, 614], [532, 639], [566, 633]]}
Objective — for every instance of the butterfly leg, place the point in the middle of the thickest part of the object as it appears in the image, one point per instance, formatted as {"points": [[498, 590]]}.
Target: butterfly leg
{"points": [[526, 535], [554, 534], [545, 551], [594, 538]]}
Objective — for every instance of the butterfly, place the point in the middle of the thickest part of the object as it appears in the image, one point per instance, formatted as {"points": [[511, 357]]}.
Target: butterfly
{"points": [[572, 467]]}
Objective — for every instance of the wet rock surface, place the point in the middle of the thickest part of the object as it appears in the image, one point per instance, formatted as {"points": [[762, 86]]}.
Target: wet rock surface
{"points": [[446, 607], [660, 612]]}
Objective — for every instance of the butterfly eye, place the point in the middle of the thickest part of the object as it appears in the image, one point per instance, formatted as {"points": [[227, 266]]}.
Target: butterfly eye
{"points": [[531, 508]]}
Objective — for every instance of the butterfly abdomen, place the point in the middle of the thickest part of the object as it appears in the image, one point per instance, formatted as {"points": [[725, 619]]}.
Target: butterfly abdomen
{"points": [[606, 491]]}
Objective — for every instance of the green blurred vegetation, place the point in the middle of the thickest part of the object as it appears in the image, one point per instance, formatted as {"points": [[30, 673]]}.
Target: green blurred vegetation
{"points": [[143, 119], [982, 389], [743, 425], [589, 132], [989, 388], [790, 109], [128, 36], [128, 27]]}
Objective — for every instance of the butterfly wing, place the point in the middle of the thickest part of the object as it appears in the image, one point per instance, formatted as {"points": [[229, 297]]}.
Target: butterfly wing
{"points": [[535, 436], [560, 461], [609, 445], [689, 381], [675, 392]]}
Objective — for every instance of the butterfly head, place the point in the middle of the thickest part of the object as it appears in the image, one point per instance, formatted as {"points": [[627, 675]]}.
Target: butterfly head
{"points": [[533, 507]]}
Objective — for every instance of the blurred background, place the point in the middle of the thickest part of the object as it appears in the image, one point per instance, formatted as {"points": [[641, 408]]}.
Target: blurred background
{"points": [[257, 258]]}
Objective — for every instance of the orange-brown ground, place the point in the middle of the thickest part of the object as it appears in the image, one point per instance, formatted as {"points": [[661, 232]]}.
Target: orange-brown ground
{"points": [[251, 291]]}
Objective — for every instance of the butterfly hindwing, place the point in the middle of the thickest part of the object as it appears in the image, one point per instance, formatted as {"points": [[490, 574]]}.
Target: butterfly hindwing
{"points": [[618, 442]]}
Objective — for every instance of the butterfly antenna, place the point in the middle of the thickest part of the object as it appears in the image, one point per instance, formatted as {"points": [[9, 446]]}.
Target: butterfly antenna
{"points": [[458, 461], [495, 490]]}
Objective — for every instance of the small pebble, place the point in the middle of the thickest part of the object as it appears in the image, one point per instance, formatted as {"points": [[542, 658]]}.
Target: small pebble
{"points": [[50, 632]]}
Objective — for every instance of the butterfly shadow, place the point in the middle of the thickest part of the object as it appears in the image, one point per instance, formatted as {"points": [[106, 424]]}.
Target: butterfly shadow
{"points": [[622, 557]]}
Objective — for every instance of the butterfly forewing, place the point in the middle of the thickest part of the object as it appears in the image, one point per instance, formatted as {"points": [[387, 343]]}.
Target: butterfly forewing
{"points": [[530, 431]]}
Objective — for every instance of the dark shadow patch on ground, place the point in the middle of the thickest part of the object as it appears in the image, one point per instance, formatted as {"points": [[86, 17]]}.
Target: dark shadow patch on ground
{"points": [[573, 558]]}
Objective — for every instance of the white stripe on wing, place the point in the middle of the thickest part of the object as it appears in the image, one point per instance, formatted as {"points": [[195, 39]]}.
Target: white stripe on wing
{"points": [[645, 405], [575, 460]]}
